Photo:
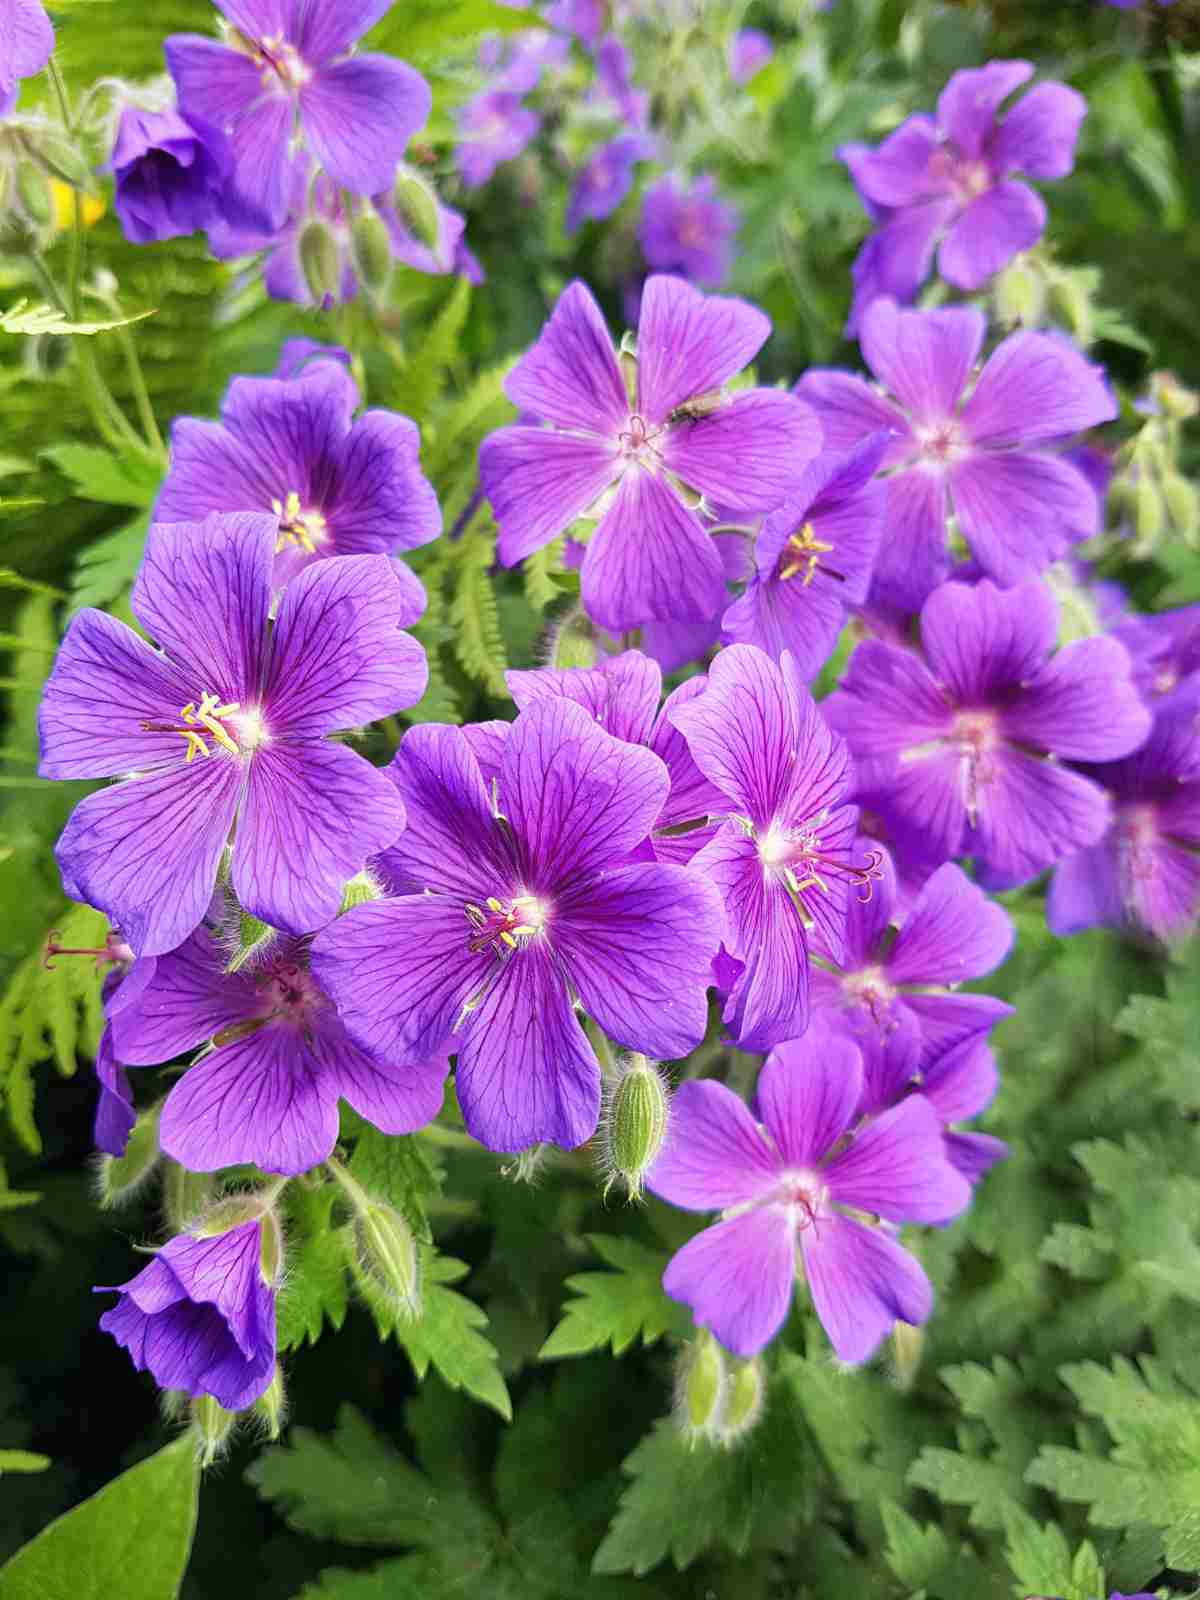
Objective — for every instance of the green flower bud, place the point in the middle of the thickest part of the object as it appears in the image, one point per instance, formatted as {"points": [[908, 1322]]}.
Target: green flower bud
{"points": [[744, 1399], [371, 249], [1071, 298], [907, 1344], [1147, 513], [361, 889], [212, 1427], [385, 1259], [573, 643], [270, 1409], [700, 1381], [254, 939], [118, 1178], [320, 261], [185, 1195], [417, 206], [635, 1124], [1020, 295], [1183, 505], [1176, 401]]}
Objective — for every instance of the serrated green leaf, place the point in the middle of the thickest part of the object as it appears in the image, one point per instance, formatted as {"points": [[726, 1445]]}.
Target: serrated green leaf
{"points": [[916, 1553], [446, 1335], [108, 567], [400, 1168], [131, 1539], [619, 1307], [419, 382], [23, 317], [315, 1289], [120, 480], [474, 619]]}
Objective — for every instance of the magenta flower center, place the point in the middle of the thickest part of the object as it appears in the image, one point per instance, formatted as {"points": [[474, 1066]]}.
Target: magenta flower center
{"points": [[504, 928], [966, 177], [639, 442], [941, 443], [288, 989], [1136, 837], [869, 987], [977, 737], [799, 856], [804, 1197]]}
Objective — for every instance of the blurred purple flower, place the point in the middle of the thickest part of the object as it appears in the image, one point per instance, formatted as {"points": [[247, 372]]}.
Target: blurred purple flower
{"points": [[614, 80], [606, 178], [749, 52], [688, 231], [493, 128]]}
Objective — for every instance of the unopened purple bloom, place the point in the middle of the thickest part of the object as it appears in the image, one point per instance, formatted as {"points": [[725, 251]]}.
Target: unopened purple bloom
{"points": [[297, 355], [749, 51], [605, 180], [335, 486], [493, 128], [291, 69], [688, 231], [172, 174], [623, 696], [519, 899], [26, 44], [783, 859], [961, 739], [651, 557], [227, 725], [785, 1187], [1164, 648], [951, 179], [1145, 871], [201, 1316], [267, 1091], [814, 557], [978, 451]]}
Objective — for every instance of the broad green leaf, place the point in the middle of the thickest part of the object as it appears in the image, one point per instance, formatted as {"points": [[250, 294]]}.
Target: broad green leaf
{"points": [[120, 480], [446, 1335], [131, 1539], [617, 1308], [399, 1168]]}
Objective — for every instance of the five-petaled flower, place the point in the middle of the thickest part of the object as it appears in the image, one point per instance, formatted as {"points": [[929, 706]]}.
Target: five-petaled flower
{"points": [[514, 901], [643, 465], [227, 725]]}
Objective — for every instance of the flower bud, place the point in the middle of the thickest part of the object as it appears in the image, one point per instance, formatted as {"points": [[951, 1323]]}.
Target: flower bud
{"points": [[1069, 293], [320, 262], [1183, 505], [361, 889], [371, 249], [700, 1380], [212, 1426], [118, 1178], [745, 1395], [254, 939], [907, 1344], [270, 1409], [385, 1259], [1147, 513], [185, 1195], [635, 1124], [573, 643], [1020, 295], [417, 206], [1176, 401]]}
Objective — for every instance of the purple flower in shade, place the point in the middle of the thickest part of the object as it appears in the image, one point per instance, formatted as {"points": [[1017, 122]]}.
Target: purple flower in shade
{"points": [[1164, 648], [607, 177], [966, 741], [614, 80], [266, 1091], [583, 18], [782, 1186], [296, 356], [1145, 871], [951, 179], [227, 725], [623, 696], [688, 231], [519, 899], [1132, 5], [651, 556], [813, 556], [895, 981], [201, 1316], [291, 69], [26, 44], [1019, 506], [335, 487], [172, 174], [749, 51], [783, 860], [530, 54], [493, 128]]}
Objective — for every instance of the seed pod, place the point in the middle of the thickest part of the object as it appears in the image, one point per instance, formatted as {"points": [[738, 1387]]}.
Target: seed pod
{"points": [[371, 249], [573, 643], [386, 1260], [320, 262], [639, 1107], [185, 1195], [1070, 295], [700, 1379], [744, 1398], [418, 207], [212, 1426], [120, 1177]]}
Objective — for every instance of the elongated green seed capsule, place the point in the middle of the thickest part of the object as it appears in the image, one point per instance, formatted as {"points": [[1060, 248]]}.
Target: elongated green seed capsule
{"points": [[744, 1397], [1183, 505], [907, 1344], [1020, 295], [636, 1124], [320, 261], [700, 1387], [271, 1406], [418, 207], [212, 1426], [1148, 513], [371, 249], [386, 1260]]}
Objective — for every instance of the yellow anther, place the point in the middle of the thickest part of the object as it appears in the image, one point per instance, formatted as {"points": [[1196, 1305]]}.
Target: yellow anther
{"points": [[808, 550], [297, 526], [494, 904], [508, 938], [207, 714], [196, 745], [523, 930]]}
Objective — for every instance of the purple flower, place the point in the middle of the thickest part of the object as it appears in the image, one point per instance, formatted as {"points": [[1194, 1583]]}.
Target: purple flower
{"points": [[651, 556], [979, 455], [688, 231], [783, 860], [607, 177], [227, 725], [519, 900], [291, 68], [26, 44], [584, 18], [814, 555], [614, 79], [1145, 871], [749, 51], [1132, 5], [123, 987], [201, 1316], [785, 1186], [960, 740], [296, 356], [172, 174], [1164, 647], [266, 1091], [493, 128], [623, 696], [951, 179], [288, 447]]}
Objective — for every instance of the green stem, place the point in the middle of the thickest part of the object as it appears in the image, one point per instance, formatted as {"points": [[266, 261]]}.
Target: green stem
{"points": [[141, 394]]}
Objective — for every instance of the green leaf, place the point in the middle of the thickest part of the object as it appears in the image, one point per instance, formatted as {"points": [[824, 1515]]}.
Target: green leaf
{"points": [[22, 1461], [108, 567], [401, 1169], [617, 1308], [419, 382], [34, 319], [917, 1554], [446, 1335], [1041, 1560], [474, 619], [1169, 1029], [687, 1496], [131, 1539], [537, 575], [315, 1289], [429, 33], [131, 479]]}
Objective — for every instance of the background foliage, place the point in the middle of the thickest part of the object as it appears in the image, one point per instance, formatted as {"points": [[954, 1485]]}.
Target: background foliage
{"points": [[1045, 1437]]}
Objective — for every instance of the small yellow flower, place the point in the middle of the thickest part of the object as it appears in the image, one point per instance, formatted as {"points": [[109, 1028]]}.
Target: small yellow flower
{"points": [[62, 199]]}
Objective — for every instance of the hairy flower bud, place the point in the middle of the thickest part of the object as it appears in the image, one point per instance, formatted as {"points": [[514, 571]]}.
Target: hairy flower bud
{"points": [[700, 1383], [573, 643], [1183, 505], [907, 1344], [385, 1259], [1177, 402], [270, 1409], [212, 1427], [118, 1178], [185, 1195], [417, 205], [1070, 294], [1148, 513], [320, 262], [635, 1123], [745, 1395], [254, 939], [1020, 295], [371, 249], [360, 890]]}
